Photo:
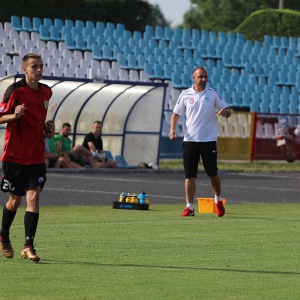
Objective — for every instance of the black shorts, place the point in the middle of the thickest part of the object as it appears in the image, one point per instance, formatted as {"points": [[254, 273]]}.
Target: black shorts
{"points": [[18, 179], [191, 156]]}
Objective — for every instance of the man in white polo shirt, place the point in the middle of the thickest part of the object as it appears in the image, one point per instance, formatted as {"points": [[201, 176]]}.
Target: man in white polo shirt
{"points": [[200, 103]]}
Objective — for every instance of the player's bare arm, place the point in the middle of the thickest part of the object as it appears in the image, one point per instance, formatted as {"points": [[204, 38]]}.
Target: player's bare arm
{"points": [[19, 111]]}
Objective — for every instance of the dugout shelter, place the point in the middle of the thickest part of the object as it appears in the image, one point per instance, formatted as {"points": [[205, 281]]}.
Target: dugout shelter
{"points": [[131, 112]]}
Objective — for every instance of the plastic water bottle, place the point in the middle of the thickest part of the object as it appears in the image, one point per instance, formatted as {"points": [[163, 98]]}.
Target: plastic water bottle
{"points": [[122, 197], [142, 197]]}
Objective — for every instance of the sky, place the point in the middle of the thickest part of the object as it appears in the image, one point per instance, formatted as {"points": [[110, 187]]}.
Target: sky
{"points": [[173, 10]]}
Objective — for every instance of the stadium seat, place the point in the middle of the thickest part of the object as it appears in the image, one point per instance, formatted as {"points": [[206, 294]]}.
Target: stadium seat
{"points": [[16, 23], [26, 24], [134, 75], [159, 33], [55, 33], [44, 33], [122, 163], [132, 62], [168, 33], [47, 22], [36, 23], [149, 69], [158, 71], [80, 43]]}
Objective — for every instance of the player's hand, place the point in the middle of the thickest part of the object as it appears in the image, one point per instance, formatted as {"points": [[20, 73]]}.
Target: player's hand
{"points": [[173, 135], [19, 111]]}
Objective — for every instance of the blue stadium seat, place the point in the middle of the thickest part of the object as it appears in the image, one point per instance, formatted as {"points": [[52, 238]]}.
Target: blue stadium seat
{"points": [[107, 52], [176, 80], [195, 38], [167, 71], [186, 80], [158, 71], [141, 61], [110, 26], [108, 154], [122, 163], [132, 62], [116, 50], [185, 42], [55, 34], [137, 51], [86, 31], [121, 59], [162, 44], [59, 23], [100, 26], [65, 30], [168, 33], [75, 31], [69, 23], [149, 69], [69, 41], [274, 108], [90, 41], [264, 107], [26, 24], [137, 35], [149, 32], [161, 60], [276, 41], [157, 52], [90, 24], [80, 43], [47, 22], [36, 23], [16, 23], [159, 33], [100, 40], [44, 33]]}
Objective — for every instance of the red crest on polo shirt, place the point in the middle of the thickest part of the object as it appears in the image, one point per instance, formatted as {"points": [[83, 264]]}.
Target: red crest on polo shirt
{"points": [[191, 101]]}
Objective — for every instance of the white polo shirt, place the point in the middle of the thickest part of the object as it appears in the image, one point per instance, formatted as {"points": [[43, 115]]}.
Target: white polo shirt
{"points": [[200, 109]]}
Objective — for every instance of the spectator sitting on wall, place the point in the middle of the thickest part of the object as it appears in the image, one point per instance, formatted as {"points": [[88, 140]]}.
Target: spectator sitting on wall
{"points": [[93, 142], [79, 155]]}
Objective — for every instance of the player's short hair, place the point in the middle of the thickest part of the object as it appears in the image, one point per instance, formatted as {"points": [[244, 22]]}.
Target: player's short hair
{"points": [[66, 124], [29, 55], [97, 122]]}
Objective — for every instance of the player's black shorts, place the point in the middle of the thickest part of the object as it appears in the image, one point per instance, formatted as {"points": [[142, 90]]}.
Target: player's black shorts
{"points": [[18, 179], [191, 156]]}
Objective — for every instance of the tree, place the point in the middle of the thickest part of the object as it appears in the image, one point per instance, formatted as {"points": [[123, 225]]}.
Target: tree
{"points": [[226, 15]]}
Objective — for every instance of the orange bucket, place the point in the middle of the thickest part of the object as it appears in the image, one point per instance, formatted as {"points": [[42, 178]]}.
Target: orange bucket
{"points": [[207, 205]]}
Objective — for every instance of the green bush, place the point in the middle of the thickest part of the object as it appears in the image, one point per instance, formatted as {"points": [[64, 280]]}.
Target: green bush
{"points": [[270, 22]]}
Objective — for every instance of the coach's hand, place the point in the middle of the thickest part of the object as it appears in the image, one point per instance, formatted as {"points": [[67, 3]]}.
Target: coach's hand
{"points": [[173, 135]]}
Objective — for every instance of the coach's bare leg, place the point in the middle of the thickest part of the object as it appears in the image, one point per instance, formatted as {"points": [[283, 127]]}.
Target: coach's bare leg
{"points": [[190, 189], [215, 182]]}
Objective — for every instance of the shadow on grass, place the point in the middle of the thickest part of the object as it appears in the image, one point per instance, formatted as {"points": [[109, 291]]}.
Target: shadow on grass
{"points": [[167, 267]]}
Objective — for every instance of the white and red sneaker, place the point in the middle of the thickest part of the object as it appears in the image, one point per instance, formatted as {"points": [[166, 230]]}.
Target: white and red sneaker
{"points": [[188, 213], [220, 210]]}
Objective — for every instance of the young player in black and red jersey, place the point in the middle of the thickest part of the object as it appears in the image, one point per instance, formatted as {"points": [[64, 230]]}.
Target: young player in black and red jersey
{"points": [[24, 108]]}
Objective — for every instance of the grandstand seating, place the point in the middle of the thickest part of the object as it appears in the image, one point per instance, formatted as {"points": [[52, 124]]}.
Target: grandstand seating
{"points": [[264, 76]]}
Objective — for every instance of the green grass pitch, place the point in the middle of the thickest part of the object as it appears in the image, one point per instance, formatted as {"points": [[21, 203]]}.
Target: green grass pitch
{"points": [[103, 253]]}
